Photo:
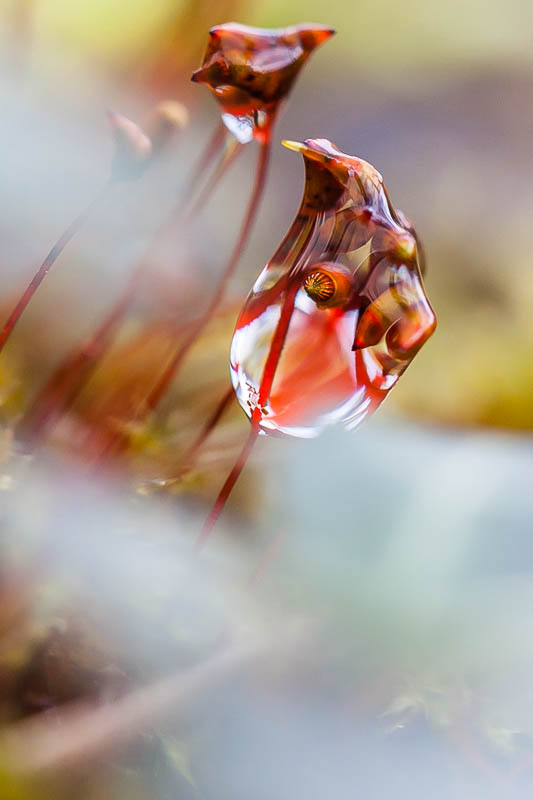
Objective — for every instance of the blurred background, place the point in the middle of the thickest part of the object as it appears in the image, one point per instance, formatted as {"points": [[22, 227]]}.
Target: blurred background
{"points": [[403, 551]]}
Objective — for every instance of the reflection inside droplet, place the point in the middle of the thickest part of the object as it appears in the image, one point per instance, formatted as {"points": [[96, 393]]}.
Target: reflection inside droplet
{"points": [[315, 384]]}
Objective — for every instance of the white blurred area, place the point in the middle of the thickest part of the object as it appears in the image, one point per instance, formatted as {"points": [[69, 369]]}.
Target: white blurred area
{"points": [[387, 644]]}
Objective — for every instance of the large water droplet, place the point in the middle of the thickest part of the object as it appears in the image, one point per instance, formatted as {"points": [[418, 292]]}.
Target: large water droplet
{"points": [[339, 312]]}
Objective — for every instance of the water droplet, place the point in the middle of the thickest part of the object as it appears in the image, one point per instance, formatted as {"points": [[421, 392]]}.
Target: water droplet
{"points": [[242, 126], [339, 312]]}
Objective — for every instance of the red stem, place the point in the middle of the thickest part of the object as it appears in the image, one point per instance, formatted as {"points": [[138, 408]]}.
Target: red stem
{"points": [[232, 151], [253, 206], [170, 372], [274, 354], [207, 156], [72, 375], [47, 264], [225, 492], [265, 387], [264, 390], [213, 146], [61, 390], [209, 426]]}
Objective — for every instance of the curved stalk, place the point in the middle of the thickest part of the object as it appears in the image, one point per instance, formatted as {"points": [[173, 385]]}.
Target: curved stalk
{"points": [[265, 387], [74, 372], [226, 490], [47, 264], [170, 373]]}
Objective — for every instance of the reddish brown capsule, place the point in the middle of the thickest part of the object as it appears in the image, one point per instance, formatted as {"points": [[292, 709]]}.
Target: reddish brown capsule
{"points": [[250, 71], [136, 146], [133, 148]]}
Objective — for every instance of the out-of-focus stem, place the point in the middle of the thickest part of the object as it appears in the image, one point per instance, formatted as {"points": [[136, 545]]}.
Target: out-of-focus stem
{"points": [[233, 148], [170, 372], [265, 386], [72, 375], [207, 429], [264, 390], [47, 264], [68, 379], [276, 348], [226, 490], [208, 155], [83, 732]]}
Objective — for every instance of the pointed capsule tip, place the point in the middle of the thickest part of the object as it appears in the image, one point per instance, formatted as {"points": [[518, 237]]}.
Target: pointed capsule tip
{"points": [[322, 34], [298, 147], [326, 32]]}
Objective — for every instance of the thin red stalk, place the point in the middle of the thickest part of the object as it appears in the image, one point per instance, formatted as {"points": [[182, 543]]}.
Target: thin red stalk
{"points": [[190, 455], [265, 386], [209, 426], [264, 391], [226, 490], [213, 147], [276, 348], [234, 148], [47, 264], [208, 154], [247, 225], [70, 377], [118, 440], [170, 372], [151, 402]]}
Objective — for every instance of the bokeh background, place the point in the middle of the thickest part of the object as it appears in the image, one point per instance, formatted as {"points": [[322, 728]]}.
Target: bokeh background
{"points": [[405, 548]]}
